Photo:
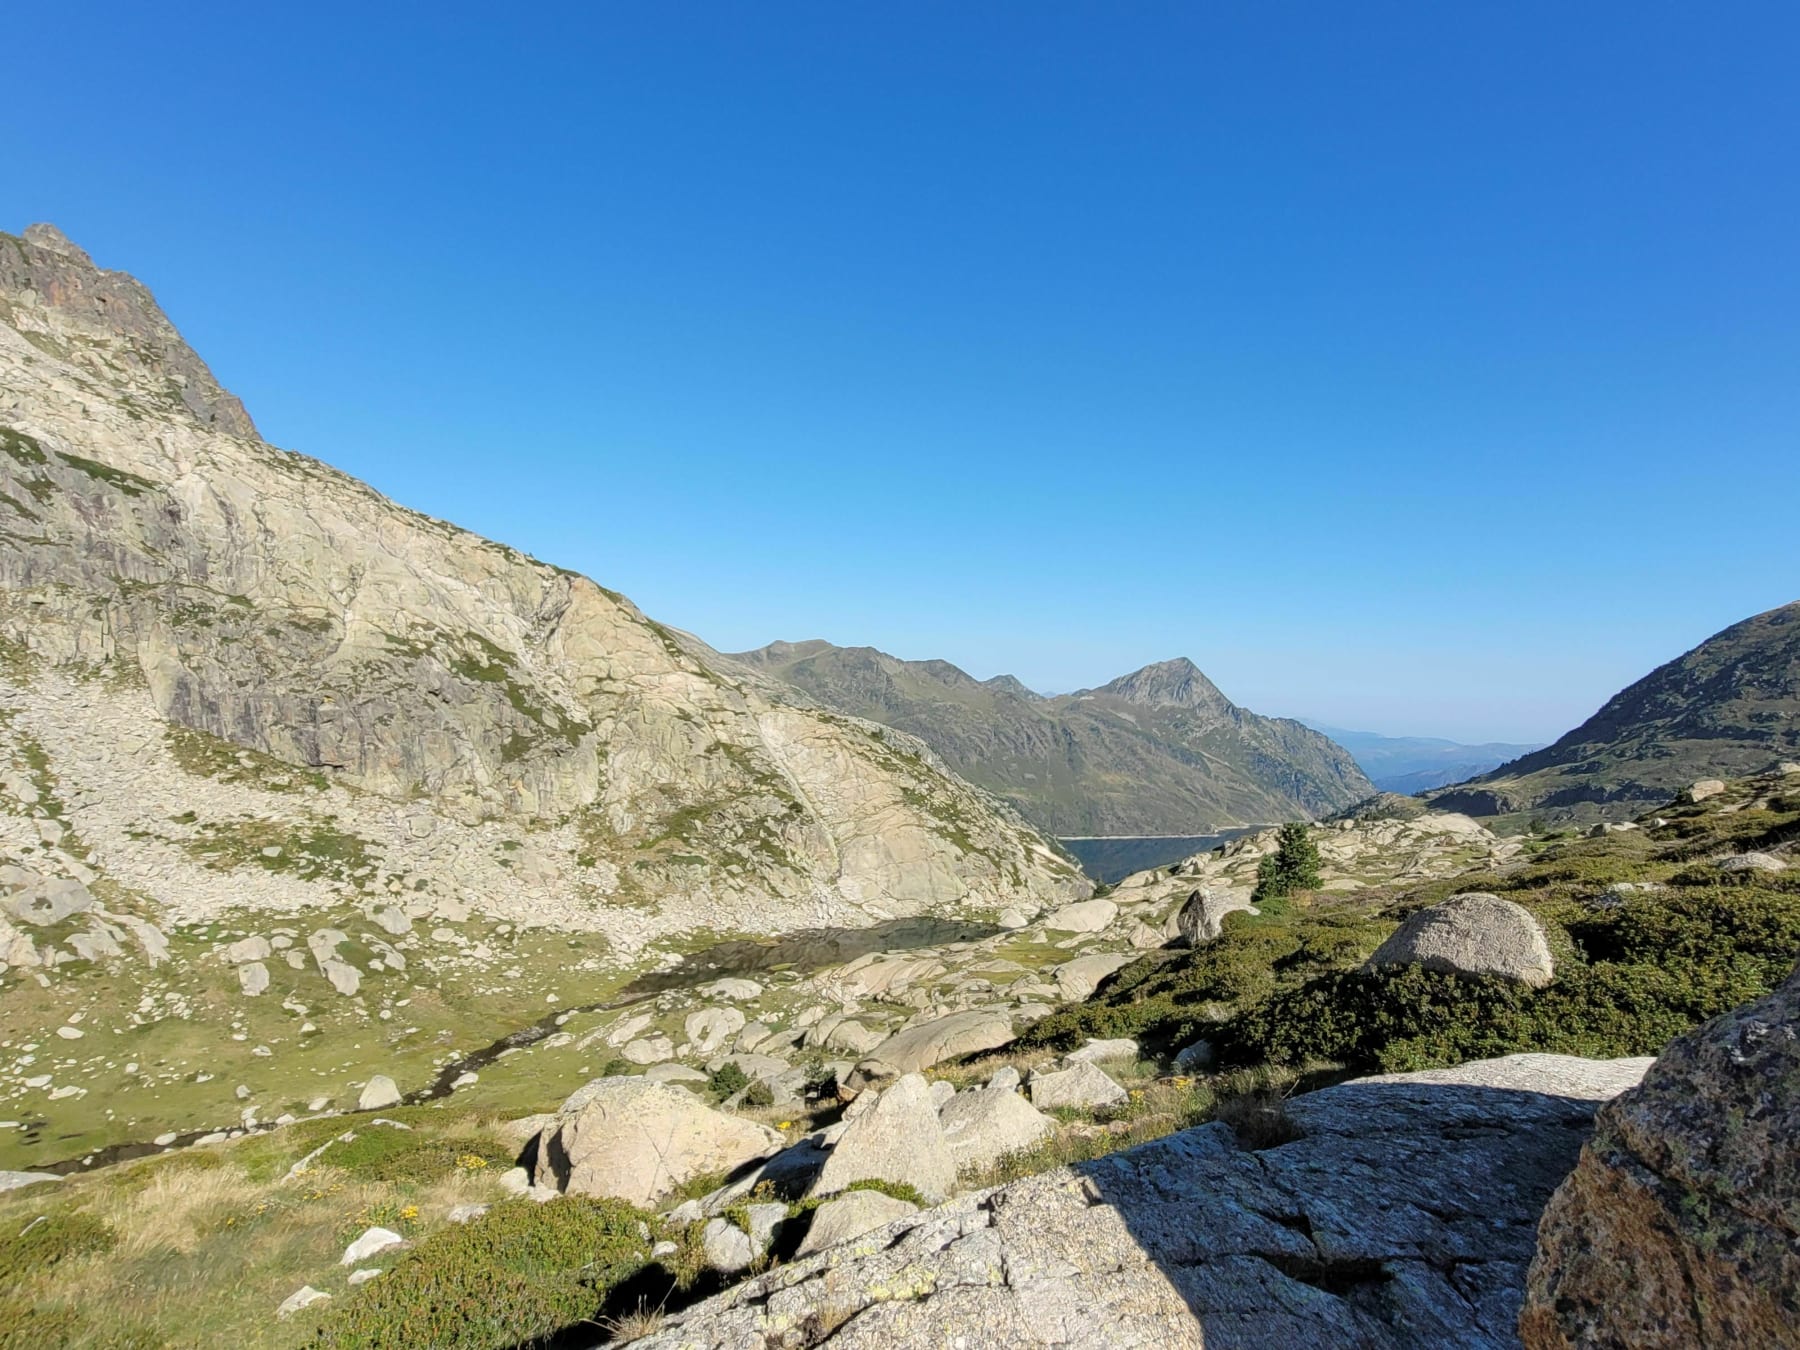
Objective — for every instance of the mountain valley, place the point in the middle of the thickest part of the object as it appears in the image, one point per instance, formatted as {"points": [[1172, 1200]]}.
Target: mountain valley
{"points": [[408, 943]]}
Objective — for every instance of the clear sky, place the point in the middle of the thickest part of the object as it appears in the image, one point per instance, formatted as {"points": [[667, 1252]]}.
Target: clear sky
{"points": [[1430, 368]]}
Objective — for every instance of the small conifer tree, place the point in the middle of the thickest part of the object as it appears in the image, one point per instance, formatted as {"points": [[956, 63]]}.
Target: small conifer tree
{"points": [[1293, 866]]}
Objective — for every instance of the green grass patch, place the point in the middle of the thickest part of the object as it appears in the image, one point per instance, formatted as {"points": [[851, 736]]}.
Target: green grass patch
{"points": [[522, 1272]]}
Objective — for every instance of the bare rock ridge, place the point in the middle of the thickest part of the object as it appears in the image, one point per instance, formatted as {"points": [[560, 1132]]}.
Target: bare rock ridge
{"points": [[1202, 1239], [1728, 708], [262, 598], [100, 321], [1159, 751]]}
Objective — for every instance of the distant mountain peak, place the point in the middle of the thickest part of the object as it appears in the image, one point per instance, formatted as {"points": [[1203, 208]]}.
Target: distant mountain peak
{"points": [[777, 652], [1176, 683], [109, 324], [1011, 684], [47, 236]]}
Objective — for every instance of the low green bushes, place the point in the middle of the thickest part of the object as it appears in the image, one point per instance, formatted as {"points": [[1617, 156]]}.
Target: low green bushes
{"points": [[523, 1272]]}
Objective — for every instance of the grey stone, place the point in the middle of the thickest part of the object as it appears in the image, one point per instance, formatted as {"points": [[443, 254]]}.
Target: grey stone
{"points": [[1083, 916], [1076, 979], [1472, 934], [709, 1029], [1081, 1085], [13, 1181], [253, 978], [985, 1125], [634, 1140], [898, 1139], [303, 1297], [373, 1242], [1201, 917], [919, 1047], [1098, 1052], [1192, 1241], [852, 1215], [1751, 862], [649, 1050], [380, 1091]]}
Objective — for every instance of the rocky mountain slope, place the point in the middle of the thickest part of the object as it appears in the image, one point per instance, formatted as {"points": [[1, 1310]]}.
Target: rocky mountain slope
{"points": [[244, 698], [1159, 751], [1729, 707], [1176, 1145]]}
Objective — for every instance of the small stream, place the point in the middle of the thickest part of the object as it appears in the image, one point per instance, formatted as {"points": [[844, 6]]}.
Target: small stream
{"points": [[799, 952]]}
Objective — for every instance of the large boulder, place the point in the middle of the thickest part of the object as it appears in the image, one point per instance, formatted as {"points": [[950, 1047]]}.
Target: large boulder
{"points": [[35, 899], [984, 1125], [380, 1091], [1082, 1085], [919, 1047], [1201, 918], [1401, 1217], [710, 1028], [898, 1139], [850, 1216], [1680, 1226], [1084, 916], [1472, 934], [1076, 979], [634, 1140]]}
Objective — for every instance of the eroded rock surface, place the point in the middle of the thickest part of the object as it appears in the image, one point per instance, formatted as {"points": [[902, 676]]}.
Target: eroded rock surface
{"points": [[1193, 1241], [1688, 1197]]}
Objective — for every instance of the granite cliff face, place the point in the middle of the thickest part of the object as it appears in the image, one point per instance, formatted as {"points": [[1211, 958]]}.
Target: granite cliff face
{"points": [[261, 598], [1159, 751], [1728, 708]]}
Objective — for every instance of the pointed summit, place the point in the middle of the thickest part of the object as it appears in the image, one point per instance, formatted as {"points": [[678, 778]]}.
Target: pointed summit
{"points": [[1178, 683], [109, 325]]}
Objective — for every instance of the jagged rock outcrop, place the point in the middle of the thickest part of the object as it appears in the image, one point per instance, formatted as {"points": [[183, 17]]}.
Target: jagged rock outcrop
{"points": [[1402, 1216], [1680, 1225], [1159, 751]]}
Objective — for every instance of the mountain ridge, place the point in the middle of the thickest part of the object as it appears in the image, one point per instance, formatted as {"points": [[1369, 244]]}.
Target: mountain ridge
{"points": [[1727, 708], [1157, 751]]}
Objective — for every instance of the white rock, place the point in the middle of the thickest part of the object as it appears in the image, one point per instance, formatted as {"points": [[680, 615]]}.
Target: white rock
{"points": [[634, 1140], [13, 1181], [651, 1050], [1076, 979], [898, 1139], [1084, 916], [1472, 934], [362, 1276], [253, 978], [709, 1029], [731, 990], [1080, 1085], [985, 1125], [373, 1242], [378, 1092], [1098, 1052], [304, 1297]]}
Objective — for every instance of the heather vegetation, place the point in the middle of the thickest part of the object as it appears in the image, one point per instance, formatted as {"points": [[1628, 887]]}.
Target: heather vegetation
{"points": [[1650, 935]]}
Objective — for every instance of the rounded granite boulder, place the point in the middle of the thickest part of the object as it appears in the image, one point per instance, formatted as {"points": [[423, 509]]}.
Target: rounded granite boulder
{"points": [[1472, 934]]}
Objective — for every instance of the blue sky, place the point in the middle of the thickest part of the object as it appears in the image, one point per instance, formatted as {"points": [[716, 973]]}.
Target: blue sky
{"points": [[1427, 368]]}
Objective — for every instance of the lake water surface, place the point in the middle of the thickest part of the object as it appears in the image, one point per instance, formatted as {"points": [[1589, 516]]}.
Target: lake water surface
{"points": [[1110, 858]]}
